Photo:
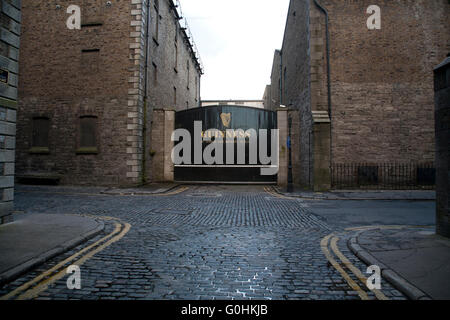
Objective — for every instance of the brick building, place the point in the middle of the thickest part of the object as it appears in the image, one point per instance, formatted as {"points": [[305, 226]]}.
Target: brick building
{"points": [[87, 96], [10, 18], [359, 94]]}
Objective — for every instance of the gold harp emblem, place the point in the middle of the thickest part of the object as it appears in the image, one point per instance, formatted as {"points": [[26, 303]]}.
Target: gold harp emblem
{"points": [[226, 119]]}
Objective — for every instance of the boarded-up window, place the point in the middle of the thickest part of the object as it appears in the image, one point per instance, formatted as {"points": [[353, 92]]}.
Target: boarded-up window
{"points": [[93, 12], [90, 59], [88, 132], [41, 130]]}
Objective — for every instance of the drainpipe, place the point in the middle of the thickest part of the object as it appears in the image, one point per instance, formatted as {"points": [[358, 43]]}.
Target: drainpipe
{"points": [[144, 127]]}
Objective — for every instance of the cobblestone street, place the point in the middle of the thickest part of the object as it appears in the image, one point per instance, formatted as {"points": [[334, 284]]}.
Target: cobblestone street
{"points": [[207, 242]]}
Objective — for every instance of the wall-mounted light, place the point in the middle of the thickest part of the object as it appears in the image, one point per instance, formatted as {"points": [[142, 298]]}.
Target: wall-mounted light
{"points": [[108, 3], [58, 7]]}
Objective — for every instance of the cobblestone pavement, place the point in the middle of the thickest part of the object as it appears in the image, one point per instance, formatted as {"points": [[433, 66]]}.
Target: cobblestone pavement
{"points": [[209, 242]]}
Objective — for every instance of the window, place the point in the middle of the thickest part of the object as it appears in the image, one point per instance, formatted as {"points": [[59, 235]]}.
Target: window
{"points": [[40, 135], [176, 58], [196, 89], [92, 14], [90, 59], [88, 135], [188, 67], [156, 34], [174, 96], [155, 74]]}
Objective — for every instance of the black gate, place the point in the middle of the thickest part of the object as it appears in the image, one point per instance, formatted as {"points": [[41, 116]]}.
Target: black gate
{"points": [[224, 118]]}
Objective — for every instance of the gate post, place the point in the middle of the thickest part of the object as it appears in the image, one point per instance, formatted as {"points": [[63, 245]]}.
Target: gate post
{"points": [[442, 112], [162, 145], [282, 114]]}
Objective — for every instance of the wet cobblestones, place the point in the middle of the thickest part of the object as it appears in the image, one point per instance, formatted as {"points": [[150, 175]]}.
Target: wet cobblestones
{"points": [[239, 244]]}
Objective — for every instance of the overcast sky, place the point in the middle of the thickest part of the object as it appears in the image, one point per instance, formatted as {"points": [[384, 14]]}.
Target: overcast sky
{"points": [[236, 40]]}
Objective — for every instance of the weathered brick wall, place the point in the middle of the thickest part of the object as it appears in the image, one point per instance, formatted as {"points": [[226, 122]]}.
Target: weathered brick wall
{"points": [[171, 68], [99, 71], [169, 55], [296, 84], [10, 19], [61, 82], [382, 86], [381, 83]]}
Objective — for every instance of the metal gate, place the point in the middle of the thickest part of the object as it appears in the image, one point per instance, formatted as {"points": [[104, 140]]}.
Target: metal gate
{"points": [[223, 118]]}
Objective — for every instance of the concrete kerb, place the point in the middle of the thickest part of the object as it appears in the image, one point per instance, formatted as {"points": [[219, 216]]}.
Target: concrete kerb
{"points": [[389, 275], [17, 271], [117, 192], [334, 197]]}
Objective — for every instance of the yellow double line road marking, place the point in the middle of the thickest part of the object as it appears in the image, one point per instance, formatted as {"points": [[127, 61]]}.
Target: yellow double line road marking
{"points": [[334, 247], [34, 287]]}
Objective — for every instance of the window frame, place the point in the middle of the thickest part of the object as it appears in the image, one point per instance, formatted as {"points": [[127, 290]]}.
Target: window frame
{"points": [[87, 150], [34, 149]]}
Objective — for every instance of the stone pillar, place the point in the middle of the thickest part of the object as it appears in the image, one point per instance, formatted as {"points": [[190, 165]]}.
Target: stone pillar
{"points": [[162, 145], [9, 70], [442, 113], [321, 151], [282, 115]]}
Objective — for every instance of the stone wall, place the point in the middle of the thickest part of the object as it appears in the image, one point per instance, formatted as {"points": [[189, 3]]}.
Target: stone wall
{"points": [[275, 81], [381, 89], [442, 101], [296, 88], [99, 71], [382, 85], [172, 64], [66, 74], [10, 19]]}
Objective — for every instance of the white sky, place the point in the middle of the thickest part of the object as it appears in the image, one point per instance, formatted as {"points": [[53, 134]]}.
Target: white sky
{"points": [[236, 40]]}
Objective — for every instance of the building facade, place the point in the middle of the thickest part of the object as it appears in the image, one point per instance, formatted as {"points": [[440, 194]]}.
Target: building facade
{"points": [[9, 70], [243, 103], [358, 79], [87, 95]]}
